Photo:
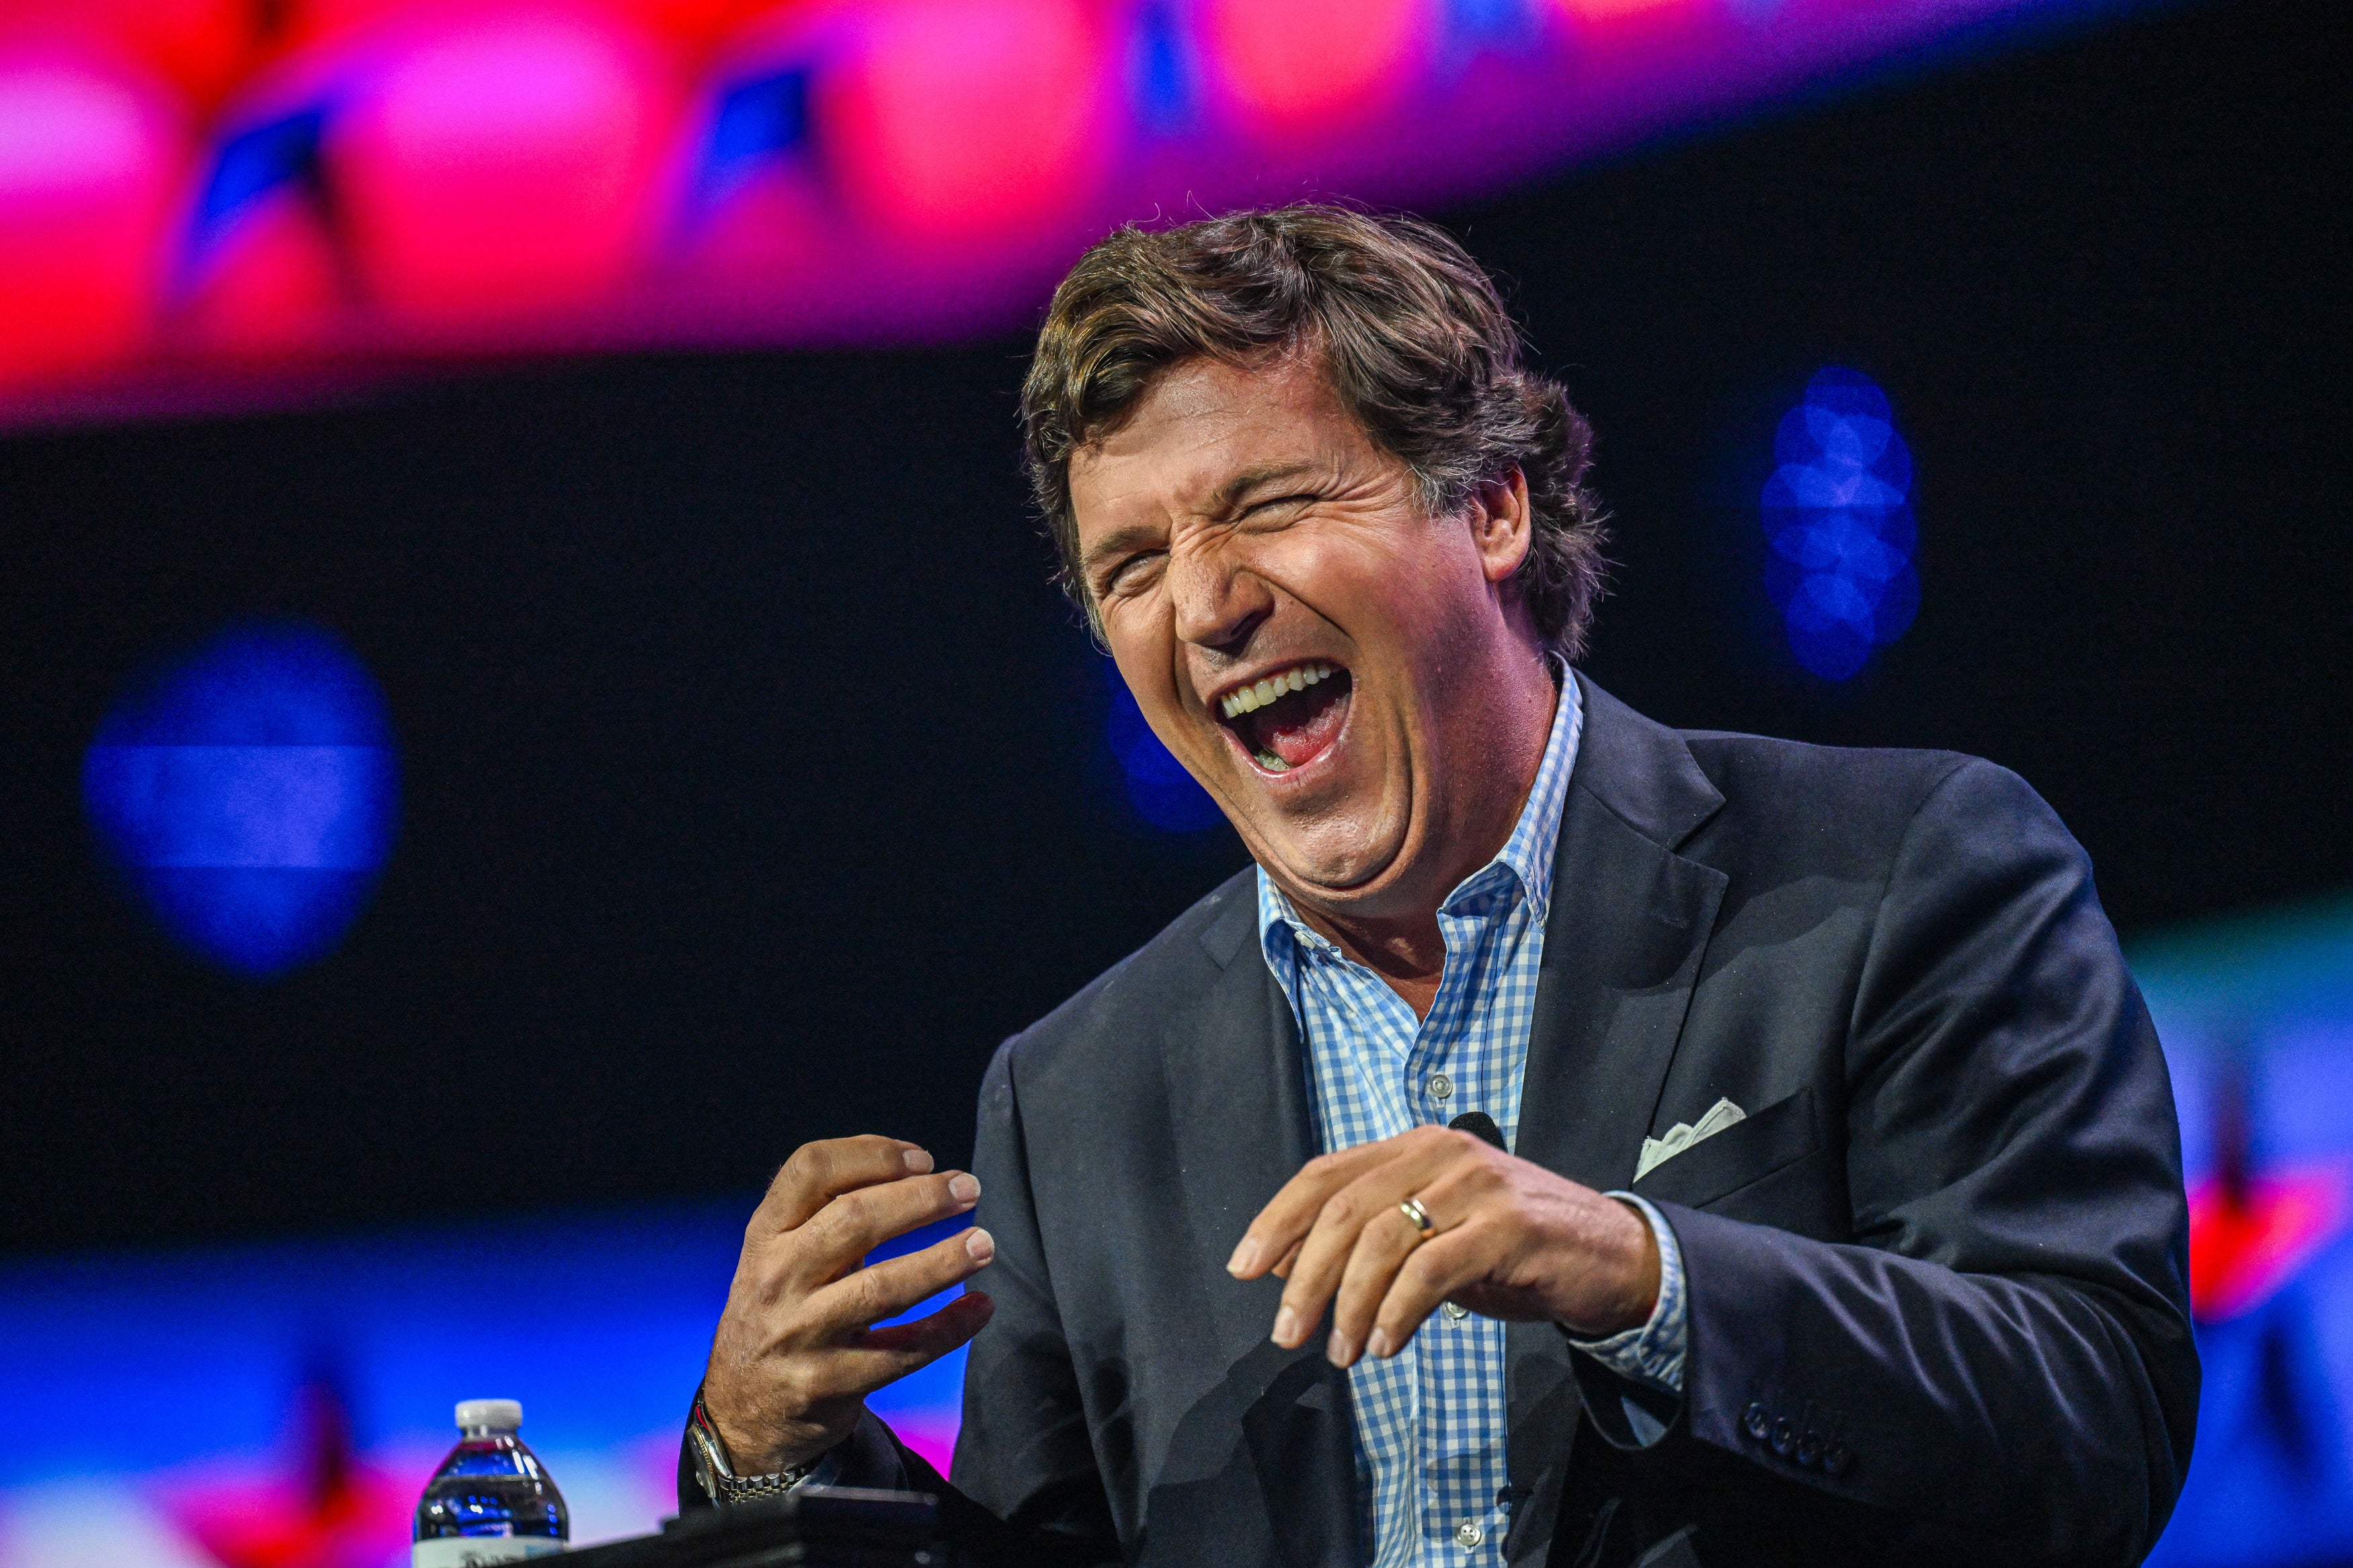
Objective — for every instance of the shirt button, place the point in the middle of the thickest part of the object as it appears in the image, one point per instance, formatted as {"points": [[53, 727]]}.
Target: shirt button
{"points": [[1440, 1087], [1467, 1534]]}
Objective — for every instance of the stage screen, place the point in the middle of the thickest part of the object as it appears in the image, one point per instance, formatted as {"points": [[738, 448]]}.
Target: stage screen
{"points": [[210, 203]]}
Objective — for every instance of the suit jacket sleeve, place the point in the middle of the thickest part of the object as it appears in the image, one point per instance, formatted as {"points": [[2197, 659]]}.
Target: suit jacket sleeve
{"points": [[1024, 1453], [2004, 1352]]}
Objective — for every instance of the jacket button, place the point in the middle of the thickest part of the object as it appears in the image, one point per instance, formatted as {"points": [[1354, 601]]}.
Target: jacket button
{"points": [[1838, 1460], [1809, 1450], [1785, 1436], [1756, 1422]]}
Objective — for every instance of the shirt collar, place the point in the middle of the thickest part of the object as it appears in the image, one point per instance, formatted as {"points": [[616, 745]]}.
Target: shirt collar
{"points": [[1527, 854]]}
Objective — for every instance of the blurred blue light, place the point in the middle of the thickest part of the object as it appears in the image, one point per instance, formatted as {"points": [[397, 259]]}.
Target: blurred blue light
{"points": [[1838, 517], [255, 161], [1494, 21], [758, 120], [1162, 792], [1162, 76], [248, 791]]}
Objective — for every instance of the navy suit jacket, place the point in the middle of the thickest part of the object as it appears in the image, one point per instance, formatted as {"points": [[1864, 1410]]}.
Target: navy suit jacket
{"points": [[1937, 1279]]}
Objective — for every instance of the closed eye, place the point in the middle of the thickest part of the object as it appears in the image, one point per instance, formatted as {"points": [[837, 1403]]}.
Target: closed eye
{"points": [[1112, 579], [1302, 498]]}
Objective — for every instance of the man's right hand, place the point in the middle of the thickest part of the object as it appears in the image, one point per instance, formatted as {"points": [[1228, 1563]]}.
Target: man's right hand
{"points": [[797, 1353]]}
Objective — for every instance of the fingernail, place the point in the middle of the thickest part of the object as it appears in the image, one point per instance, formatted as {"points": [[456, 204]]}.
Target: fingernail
{"points": [[1378, 1344], [963, 1189], [918, 1161], [1338, 1351], [1245, 1257], [1286, 1328], [980, 1244]]}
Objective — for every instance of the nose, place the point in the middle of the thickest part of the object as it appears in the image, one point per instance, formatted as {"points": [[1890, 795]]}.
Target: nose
{"points": [[1217, 604]]}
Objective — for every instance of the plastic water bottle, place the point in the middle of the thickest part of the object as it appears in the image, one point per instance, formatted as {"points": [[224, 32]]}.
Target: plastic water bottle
{"points": [[491, 1500]]}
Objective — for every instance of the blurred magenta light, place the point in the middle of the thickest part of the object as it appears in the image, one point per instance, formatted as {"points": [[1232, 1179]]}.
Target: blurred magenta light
{"points": [[91, 158], [959, 122], [248, 791], [1296, 66], [498, 162], [1839, 521]]}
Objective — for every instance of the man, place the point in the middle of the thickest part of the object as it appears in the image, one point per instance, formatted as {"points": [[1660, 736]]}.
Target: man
{"points": [[1820, 1199]]}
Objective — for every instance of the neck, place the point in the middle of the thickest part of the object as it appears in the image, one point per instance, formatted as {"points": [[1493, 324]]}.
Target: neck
{"points": [[1404, 945]]}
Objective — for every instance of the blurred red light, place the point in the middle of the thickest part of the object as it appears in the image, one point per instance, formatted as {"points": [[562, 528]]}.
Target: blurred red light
{"points": [[2244, 1246], [501, 162], [954, 120], [90, 158], [1295, 64], [274, 283], [200, 45], [699, 22], [307, 24]]}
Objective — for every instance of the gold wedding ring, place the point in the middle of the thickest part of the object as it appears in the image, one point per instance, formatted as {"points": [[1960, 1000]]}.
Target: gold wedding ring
{"points": [[1411, 1209]]}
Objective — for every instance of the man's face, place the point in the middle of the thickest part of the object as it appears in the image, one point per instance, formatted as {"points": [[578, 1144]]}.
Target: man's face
{"points": [[1306, 640]]}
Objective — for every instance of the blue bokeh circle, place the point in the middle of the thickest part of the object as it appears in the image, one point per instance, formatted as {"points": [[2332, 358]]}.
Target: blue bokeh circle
{"points": [[248, 790], [1838, 519]]}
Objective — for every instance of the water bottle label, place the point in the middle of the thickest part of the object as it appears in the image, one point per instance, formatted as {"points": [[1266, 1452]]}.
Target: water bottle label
{"points": [[479, 1551]]}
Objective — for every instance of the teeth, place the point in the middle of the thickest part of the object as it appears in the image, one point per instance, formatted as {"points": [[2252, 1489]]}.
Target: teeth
{"points": [[1249, 699]]}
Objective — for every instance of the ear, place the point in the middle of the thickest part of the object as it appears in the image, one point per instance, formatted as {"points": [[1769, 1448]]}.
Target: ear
{"points": [[1501, 526]]}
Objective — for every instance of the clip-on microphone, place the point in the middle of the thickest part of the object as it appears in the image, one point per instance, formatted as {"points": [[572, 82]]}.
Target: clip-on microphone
{"points": [[1479, 1124]]}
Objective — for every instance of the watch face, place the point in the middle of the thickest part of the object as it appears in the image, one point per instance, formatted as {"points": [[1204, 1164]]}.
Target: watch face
{"points": [[706, 1466]]}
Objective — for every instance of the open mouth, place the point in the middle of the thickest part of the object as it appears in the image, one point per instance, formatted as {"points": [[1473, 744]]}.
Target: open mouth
{"points": [[1290, 717]]}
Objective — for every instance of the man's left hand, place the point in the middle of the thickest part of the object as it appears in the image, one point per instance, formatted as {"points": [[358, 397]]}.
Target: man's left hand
{"points": [[1507, 1240]]}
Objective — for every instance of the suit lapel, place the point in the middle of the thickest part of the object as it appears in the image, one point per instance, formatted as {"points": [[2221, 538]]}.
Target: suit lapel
{"points": [[1238, 1100], [1624, 938], [1628, 927]]}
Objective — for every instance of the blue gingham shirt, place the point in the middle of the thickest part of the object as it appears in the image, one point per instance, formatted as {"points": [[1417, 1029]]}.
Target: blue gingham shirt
{"points": [[1431, 1420]]}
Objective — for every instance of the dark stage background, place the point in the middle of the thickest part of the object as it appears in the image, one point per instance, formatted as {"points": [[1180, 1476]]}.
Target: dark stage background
{"points": [[754, 781]]}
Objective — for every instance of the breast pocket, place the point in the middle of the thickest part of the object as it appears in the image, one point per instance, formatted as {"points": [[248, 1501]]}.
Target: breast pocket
{"points": [[1744, 1153]]}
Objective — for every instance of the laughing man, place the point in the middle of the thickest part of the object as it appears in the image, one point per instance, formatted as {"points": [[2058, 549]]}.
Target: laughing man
{"points": [[1814, 1192]]}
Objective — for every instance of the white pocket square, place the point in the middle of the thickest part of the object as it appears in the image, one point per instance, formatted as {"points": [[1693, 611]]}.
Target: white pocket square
{"points": [[1657, 1151]]}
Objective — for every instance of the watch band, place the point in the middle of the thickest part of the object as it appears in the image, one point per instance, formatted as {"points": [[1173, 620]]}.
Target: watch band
{"points": [[720, 1484]]}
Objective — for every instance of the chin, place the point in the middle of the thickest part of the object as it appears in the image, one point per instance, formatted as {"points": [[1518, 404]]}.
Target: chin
{"points": [[1338, 873]]}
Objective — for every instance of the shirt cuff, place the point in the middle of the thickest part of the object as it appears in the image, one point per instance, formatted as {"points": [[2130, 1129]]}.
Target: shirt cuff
{"points": [[1654, 1353], [825, 1472]]}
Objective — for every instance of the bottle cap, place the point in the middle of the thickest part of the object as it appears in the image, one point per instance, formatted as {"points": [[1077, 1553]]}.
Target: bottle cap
{"points": [[497, 1415]]}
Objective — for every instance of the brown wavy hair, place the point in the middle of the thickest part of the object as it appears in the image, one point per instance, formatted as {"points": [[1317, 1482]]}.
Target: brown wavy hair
{"points": [[1409, 328]]}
